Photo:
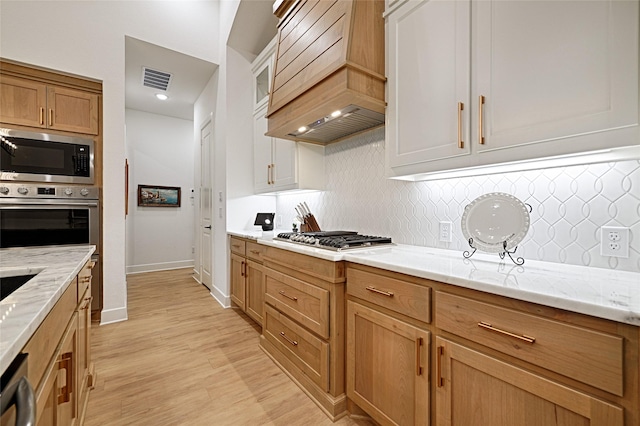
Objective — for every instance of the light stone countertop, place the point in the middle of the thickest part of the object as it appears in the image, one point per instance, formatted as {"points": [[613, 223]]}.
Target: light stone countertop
{"points": [[602, 293], [22, 312]]}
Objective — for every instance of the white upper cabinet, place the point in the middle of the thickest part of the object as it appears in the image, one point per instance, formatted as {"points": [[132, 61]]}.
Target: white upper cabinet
{"points": [[476, 83], [283, 165], [262, 69]]}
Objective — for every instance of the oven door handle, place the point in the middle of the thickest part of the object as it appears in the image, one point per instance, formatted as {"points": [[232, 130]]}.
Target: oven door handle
{"points": [[46, 204]]}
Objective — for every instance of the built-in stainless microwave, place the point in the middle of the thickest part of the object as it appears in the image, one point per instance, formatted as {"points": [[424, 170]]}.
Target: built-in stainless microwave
{"points": [[44, 157]]}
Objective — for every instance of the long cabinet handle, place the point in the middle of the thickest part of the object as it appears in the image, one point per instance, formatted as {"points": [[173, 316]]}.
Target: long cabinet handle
{"points": [[50, 117], [282, 293], [480, 120], [66, 363], [418, 350], [375, 290], [42, 116], [273, 174], [439, 355], [269, 174], [242, 269], [293, 342], [522, 337], [460, 109]]}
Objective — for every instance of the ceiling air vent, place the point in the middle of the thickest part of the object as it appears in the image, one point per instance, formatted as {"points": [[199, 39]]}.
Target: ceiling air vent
{"points": [[155, 79]]}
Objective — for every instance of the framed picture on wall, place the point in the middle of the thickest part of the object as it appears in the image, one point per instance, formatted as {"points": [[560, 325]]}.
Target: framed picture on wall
{"points": [[158, 196]]}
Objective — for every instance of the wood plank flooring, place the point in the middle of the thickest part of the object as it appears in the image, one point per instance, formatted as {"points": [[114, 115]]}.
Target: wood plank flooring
{"points": [[181, 359]]}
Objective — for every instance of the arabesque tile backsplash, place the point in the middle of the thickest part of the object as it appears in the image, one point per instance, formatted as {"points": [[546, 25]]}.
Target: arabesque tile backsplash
{"points": [[570, 204]]}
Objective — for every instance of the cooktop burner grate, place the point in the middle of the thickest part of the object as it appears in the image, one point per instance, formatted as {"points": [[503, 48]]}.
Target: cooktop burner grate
{"points": [[334, 240]]}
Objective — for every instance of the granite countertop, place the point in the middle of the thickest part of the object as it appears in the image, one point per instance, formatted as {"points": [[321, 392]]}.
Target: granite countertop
{"points": [[603, 293], [22, 312]]}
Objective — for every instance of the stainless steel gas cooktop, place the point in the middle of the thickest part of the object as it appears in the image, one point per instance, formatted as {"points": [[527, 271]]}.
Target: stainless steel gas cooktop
{"points": [[334, 240]]}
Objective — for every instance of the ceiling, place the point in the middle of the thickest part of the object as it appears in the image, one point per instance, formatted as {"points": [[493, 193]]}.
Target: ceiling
{"points": [[189, 76], [253, 28]]}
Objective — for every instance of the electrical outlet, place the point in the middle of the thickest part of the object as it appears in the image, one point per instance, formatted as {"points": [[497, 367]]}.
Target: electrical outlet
{"points": [[614, 241], [445, 232]]}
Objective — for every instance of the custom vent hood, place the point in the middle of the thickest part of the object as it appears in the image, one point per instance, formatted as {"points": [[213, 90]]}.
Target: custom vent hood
{"points": [[328, 80]]}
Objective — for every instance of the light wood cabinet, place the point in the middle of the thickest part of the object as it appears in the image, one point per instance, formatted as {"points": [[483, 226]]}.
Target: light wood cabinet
{"points": [[492, 360], [30, 103], [304, 324], [60, 367], [462, 94], [247, 277], [387, 366], [478, 389]]}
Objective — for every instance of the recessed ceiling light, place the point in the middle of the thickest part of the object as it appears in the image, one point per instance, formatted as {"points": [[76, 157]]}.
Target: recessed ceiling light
{"points": [[335, 114], [302, 129], [162, 96]]}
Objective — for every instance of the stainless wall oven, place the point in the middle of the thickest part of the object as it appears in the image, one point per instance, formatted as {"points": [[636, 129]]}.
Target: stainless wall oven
{"points": [[44, 215], [45, 157]]}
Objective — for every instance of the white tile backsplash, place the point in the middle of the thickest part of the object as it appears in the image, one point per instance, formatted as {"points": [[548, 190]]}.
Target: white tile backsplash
{"points": [[570, 204]]}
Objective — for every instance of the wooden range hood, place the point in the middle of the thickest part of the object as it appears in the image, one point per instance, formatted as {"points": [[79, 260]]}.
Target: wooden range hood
{"points": [[330, 58]]}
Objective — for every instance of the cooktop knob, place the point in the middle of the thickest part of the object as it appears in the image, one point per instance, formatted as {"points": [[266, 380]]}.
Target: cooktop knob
{"points": [[23, 190], [4, 190], [84, 192], [68, 191]]}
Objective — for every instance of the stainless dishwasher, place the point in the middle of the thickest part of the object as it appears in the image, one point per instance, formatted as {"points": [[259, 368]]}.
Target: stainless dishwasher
{"points": [[17, 399]]}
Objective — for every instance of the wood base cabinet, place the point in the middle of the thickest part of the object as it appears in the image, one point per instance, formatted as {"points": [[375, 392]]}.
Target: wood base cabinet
{"points": [[483, 359], [304, 329], [388, 367], [60, 367], [477, 389], [247, 277]]}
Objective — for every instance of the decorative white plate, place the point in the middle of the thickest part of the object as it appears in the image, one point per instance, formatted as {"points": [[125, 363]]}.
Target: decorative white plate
{"points": [[494, 218]]}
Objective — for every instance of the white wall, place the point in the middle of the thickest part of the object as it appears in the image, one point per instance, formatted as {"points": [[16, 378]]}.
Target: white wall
{"points": [[87, 38], [162, 152]]}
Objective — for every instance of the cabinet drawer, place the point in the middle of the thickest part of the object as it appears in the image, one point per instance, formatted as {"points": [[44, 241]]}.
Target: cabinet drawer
{"points": [[255, 251], [309, 353], [586, 355], [84, 280], [305, 303], [238, 246], [400, 296]]}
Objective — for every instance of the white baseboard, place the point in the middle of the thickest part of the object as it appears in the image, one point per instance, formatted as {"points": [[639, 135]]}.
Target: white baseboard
{"points": [[224, 301], [164, 266], [109, 316]]}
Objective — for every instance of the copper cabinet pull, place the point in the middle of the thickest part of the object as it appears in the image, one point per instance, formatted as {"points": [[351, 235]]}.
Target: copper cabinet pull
{"points": [[66, 363], [480, 120], [522, 337], [293, 342], [375, 290], [50, 117], [439, 379], [42, 116], [295, 299], [460, 141], [255, 251], [269, 174], [235, 245], [86, 279], [92, 265], [418, 347], [88, 303], [273, 174], [242, 269]]}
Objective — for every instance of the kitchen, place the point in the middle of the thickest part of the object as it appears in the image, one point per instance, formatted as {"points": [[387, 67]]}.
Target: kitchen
{"points": [[409, 212]]}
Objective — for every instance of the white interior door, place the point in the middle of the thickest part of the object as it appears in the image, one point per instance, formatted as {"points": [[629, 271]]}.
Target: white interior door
{"points": [[206, 205]]}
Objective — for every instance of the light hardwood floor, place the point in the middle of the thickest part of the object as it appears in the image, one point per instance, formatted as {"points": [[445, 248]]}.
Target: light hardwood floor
{"points": [[181, 359]]}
